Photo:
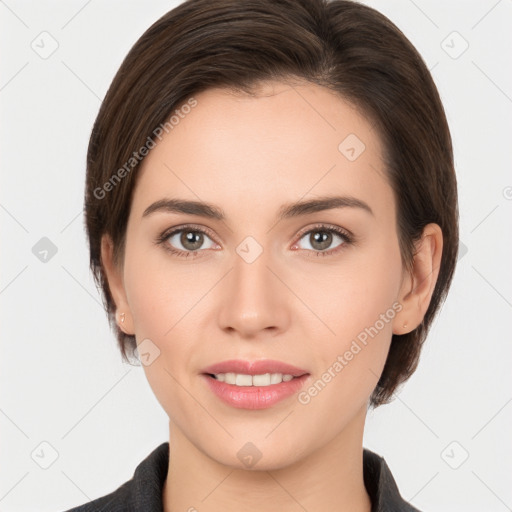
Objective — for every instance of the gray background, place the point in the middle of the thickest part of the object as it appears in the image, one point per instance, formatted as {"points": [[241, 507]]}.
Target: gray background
{"points": [[68, 402]]}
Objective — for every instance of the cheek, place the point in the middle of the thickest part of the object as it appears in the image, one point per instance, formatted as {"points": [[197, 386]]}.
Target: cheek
{"points": [[352, 294], [358, 304], [160, 294], [165, 304], [162, 314]]}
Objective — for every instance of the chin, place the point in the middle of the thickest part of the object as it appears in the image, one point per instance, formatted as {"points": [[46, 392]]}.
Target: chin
{"points": [[257, 455]]}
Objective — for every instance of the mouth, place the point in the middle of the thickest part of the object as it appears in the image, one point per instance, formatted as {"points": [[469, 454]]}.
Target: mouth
{"points": [[254, 385]]}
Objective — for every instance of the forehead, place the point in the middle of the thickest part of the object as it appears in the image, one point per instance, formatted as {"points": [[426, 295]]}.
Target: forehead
{"points": [[282, 143]]}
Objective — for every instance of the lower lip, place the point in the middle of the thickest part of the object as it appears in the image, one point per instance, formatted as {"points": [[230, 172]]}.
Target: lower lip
{"points": [[255, 397]]}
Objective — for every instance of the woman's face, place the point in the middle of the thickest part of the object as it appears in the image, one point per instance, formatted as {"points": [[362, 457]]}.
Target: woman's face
{"points": [[316, 288]]}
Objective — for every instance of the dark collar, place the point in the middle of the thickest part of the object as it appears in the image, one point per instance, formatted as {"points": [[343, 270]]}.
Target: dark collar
{"points": [[143, 493], [381, 485]]}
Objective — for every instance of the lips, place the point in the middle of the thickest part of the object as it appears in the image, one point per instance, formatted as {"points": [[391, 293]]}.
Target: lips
{"points": [[289, 381], [254, 368]]}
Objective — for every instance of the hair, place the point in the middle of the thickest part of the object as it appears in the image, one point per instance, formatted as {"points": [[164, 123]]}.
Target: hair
{"points": [[342, 45]]}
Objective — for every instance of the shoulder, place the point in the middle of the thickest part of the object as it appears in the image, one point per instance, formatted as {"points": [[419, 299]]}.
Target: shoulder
{"points": [[381, 485], [143, 492]]}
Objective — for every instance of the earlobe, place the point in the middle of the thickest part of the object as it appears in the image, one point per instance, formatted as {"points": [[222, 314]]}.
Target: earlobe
{"points": [[114, 276], [418, 286]]}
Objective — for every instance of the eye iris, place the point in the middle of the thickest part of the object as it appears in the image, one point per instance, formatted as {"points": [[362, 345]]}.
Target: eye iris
{"points": [[191, 240], [322, 238]]}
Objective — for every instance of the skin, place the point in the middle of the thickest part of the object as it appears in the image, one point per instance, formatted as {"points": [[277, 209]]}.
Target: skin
{"points": [[249, 155]]}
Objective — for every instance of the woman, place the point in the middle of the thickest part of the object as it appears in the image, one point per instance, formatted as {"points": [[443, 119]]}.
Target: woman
{"points": [[271, 210]]}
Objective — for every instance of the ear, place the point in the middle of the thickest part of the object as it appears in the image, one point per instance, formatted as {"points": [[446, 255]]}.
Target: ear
{"points": [[418, 285], [114, 275]]}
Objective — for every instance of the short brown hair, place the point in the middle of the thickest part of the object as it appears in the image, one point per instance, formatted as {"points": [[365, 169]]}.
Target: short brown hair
{"points": [[345, 46]]}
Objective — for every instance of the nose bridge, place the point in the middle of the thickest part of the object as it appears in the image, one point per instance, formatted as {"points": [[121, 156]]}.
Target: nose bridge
{"points": [[252, 300]]}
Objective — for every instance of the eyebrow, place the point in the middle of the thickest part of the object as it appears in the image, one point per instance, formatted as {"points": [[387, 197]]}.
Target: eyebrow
{"points": [[287, 211]]}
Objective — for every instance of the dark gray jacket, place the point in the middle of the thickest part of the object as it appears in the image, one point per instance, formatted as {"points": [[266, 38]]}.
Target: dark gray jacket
{"points": [[143, 493]]}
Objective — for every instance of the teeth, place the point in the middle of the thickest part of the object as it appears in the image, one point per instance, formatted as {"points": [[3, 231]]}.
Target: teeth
{"points": [[240, 379], [243, 380]]}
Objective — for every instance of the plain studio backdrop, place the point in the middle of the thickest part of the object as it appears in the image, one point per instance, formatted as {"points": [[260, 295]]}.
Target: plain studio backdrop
{"points": [[68, 404]]}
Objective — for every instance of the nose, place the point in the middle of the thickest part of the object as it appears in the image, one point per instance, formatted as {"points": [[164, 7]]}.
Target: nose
{"points": [[254, 302]]}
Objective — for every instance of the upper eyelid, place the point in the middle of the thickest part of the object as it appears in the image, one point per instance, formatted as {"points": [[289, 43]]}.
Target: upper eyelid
{"points": [[327, 227]]}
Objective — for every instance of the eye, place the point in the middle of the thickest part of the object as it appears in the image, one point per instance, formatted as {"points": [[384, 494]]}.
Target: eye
{"points": [[189, 241], [186, 240], [322, 237]]}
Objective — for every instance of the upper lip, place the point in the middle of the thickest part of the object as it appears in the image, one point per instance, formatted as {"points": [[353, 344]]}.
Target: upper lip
{"points": [[254, 367]]}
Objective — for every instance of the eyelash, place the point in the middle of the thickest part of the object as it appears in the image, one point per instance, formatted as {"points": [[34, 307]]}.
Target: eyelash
{"points": [[346, 236]]}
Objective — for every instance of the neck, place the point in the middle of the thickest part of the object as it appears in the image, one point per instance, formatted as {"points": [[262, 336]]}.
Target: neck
{"points": [[329, 478]]}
